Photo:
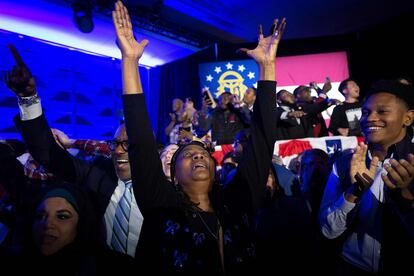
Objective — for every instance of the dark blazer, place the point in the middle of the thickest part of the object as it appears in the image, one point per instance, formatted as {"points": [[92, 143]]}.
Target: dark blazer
{"points": [[313, 118], [41, 144], [288, 128], [224, 124]]}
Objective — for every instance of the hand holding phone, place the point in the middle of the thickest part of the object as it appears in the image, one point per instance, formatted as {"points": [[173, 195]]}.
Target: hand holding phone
{"points": [[208, 98], [327, 85], [205, 96]]}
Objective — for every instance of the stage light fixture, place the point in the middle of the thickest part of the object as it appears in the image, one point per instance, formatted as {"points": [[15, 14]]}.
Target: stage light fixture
{"points": [[82, 15]]}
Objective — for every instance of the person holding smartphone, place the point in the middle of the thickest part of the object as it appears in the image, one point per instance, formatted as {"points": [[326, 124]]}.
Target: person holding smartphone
{"points": [[224, 121]]}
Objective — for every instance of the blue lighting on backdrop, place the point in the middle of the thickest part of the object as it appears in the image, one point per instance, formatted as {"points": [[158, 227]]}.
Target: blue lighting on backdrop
{"points": [[80, 93]]}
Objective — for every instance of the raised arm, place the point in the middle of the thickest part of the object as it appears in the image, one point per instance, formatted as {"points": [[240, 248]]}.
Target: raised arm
{"points": [[33, 125], [20, 80], [150, 185], [89, 147], [253, 170], [131, 50], [171, 125], [265, 52]]}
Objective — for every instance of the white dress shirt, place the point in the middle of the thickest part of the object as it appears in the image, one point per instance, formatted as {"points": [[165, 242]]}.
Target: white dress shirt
{"points": [[284, 115]]}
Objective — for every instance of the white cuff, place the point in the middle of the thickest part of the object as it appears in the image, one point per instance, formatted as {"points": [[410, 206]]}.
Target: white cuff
{"points": [[30, 112], [345, 205]]}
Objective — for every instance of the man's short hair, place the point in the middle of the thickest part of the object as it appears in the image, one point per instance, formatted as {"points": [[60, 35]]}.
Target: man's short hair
{"points": [[402, 91], [280, 93], [343, 85], [300, 89]]}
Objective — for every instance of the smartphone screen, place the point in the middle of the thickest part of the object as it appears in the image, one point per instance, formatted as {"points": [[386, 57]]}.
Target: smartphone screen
{"points": [[205, 95], [206, 98]]}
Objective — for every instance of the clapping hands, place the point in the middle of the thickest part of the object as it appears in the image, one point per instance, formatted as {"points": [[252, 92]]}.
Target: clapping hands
{"points": [[359, 172]]}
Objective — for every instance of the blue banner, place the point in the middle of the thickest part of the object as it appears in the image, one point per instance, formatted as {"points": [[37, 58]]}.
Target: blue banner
{"points": [[229, 76]]}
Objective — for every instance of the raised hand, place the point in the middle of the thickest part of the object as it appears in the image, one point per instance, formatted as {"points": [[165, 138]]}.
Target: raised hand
{"points": [[20, 80], [315, 86], [208, 100], [327, 85], [359, 171], [130, 48], [265, 52], [189, 109], [235, 100]]}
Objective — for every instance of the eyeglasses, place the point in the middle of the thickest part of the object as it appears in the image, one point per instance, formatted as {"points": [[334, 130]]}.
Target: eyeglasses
{"points": [[113, 144]]}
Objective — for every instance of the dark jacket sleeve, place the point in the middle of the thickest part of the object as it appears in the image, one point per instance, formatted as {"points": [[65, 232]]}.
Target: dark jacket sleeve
{"points": [[312, 109], [39, 139], [245, 115], [287, 128], [247, 187], [151, 188], [44, 149]]}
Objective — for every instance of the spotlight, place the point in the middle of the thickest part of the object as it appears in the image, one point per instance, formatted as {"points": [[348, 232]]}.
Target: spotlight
{"points": [[82, 15]]}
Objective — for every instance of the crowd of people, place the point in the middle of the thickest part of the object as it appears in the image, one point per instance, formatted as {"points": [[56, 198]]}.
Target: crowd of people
{"points": [[299, 115], [126, 205]]}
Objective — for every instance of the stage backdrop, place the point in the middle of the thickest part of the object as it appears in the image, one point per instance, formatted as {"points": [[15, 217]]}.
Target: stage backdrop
{"points": [[80, 92], [238, 75]]}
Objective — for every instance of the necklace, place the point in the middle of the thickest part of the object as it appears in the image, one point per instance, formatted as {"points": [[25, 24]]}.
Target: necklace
{"points": [[208, 228]]}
